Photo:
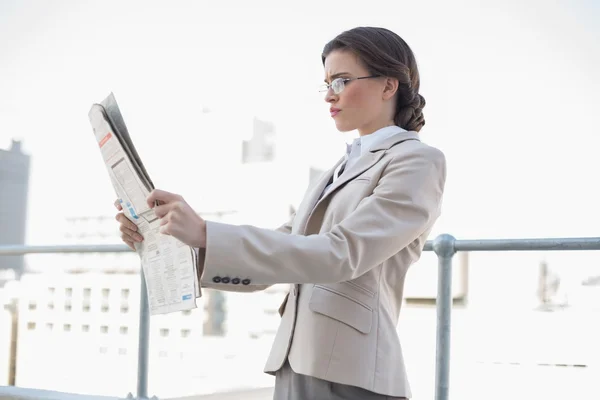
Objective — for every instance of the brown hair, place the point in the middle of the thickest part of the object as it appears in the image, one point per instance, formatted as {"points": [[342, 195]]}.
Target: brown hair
{"points": [[385, 53]]}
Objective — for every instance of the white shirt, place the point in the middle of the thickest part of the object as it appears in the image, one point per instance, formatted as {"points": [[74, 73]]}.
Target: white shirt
{"points": [[362, 145]]}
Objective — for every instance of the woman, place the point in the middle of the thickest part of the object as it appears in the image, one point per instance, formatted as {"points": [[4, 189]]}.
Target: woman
{"points": [[346, 251]]}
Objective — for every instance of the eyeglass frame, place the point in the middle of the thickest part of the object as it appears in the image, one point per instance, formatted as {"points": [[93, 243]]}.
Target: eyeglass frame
{"points": [[327, 86]]}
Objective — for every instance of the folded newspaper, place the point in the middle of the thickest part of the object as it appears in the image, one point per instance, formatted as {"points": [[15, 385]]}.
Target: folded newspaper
{"points": [[168, 265]]}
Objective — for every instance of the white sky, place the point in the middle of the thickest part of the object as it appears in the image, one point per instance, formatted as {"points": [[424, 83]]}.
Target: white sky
{"points": [[512, 90]]}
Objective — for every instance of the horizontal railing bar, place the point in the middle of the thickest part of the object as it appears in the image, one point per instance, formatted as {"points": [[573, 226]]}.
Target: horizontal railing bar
{"points": [[529, 244], [544, 244], [15, 250], [21, 393], [548, 244]]}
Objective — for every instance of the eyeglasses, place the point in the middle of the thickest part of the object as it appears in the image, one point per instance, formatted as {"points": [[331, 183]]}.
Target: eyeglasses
{"points": [[338, 84]]}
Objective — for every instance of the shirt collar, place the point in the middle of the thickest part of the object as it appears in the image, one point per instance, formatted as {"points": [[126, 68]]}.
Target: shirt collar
{"points": [[368, 141]]}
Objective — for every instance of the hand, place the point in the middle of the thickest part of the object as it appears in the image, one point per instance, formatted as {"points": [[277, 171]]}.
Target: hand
{"points": [[177, 218], [128, 229]]}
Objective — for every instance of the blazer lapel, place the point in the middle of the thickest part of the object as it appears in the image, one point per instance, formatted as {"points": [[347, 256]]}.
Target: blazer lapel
{"points": [[362, 164], [313, 199], [317, 191], [365, 162], [313, 195]]}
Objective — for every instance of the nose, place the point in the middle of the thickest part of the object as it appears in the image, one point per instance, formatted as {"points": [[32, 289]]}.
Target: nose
{"points": [[330, 97]]}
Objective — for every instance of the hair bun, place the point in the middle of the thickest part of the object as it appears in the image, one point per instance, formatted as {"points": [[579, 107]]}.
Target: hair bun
{"points": [[410, 116]]}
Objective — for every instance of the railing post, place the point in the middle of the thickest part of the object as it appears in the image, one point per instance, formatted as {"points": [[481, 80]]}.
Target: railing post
{"points": [[144, 341], [443, 246]]}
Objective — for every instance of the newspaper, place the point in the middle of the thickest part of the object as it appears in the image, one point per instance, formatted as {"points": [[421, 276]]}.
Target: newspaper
{"points": [[168, 265]]}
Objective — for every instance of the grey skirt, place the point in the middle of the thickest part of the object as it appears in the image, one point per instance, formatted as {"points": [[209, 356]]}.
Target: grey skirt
{"points": [[292, 386]]}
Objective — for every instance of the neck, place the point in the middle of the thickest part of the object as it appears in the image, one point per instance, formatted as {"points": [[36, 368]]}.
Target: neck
{"points": [[367, 130]]}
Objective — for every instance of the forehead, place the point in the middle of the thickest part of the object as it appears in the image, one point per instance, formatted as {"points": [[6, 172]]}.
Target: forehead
{"points": [[343, 61]]}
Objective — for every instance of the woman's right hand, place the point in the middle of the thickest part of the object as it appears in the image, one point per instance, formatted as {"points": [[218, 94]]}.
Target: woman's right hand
{"points": [[128, 229]]}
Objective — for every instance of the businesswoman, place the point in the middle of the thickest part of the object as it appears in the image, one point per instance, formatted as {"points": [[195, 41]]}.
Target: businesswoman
{"points": [[346, 251]]}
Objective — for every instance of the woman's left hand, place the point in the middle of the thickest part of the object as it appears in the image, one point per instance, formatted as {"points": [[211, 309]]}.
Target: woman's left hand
{"points": [[177, 218]]}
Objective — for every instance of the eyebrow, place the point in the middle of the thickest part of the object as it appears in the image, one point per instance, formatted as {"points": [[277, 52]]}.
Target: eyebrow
{"points": [[337, 75]]}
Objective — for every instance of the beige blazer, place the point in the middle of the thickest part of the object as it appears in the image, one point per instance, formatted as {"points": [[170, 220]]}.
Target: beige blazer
{"points": [[345, 256]]}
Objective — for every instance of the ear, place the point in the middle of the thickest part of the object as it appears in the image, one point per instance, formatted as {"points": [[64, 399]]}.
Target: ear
{"points": [[390, 88]]}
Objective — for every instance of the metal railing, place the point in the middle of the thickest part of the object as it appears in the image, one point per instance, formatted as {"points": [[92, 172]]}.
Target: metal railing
{"points": [[144, 331], [444, 246]]}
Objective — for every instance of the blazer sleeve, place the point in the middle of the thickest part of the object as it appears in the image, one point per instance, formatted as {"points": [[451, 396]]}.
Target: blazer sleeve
{"points": [[405, 203], [208, 283]]}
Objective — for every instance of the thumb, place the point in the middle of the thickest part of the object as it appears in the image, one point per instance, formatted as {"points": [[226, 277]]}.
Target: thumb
{"points": [[161, 196], [118, 204]]}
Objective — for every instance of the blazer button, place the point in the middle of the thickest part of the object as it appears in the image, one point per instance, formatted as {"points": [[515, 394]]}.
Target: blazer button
{"points": [[225, 280], [217, 279], [246, 281], [235, 281]]}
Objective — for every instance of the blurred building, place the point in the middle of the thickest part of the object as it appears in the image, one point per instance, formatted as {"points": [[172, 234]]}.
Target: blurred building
{"points": [[92, 319], [92, 230], [255, 193], [260, 147], [14, 187], [5, 345]]}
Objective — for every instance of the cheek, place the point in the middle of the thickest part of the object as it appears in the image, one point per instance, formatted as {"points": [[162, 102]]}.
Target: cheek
{"points": [[358, 99], [351, 97]]}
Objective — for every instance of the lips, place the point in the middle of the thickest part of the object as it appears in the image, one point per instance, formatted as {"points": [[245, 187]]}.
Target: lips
{"points": [[334, 111]]}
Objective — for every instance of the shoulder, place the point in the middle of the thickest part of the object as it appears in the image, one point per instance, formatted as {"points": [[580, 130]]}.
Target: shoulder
{"points": [[414, 151], [414, 172]]}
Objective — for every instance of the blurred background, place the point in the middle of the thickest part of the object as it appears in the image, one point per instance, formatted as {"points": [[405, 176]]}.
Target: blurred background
{"points": [[221, 100]]}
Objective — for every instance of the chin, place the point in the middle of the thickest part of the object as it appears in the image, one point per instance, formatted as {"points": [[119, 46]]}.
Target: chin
{"points": [[344, 127]]}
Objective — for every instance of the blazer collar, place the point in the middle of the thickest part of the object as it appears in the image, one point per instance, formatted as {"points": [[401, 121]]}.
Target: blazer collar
{"points": [[393, 140], [365, 162]]}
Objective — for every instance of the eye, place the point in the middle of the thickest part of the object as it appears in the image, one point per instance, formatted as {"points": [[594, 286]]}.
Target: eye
{"points": [[338, 84]]}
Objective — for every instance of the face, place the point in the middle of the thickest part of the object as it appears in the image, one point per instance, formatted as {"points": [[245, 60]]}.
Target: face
{"points": [[364, 104]]}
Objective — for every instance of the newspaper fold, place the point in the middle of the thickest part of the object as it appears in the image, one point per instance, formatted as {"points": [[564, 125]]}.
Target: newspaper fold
{"points": [[169, 266]]}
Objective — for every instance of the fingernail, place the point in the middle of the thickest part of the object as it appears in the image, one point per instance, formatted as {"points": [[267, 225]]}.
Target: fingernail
{"points": [[139, 238]]}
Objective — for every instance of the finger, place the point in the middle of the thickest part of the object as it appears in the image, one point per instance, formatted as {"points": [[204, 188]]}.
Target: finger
{"points": [[126, 238], [161, 196], [122, 218], [165, 229], [130, 244], [118, 204], [128, 234], [162, 210]]}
